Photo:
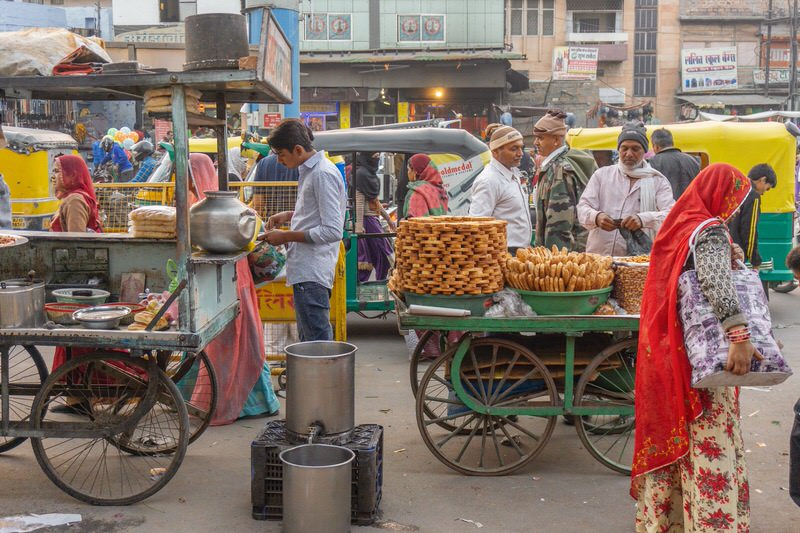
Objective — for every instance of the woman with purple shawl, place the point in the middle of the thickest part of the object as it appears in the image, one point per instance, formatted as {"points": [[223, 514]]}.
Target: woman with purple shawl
{"points": [[374, 253]]}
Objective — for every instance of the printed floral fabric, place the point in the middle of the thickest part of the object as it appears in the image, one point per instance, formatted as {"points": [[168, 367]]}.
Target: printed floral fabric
{"points": [[706, 490], [706, 343]]}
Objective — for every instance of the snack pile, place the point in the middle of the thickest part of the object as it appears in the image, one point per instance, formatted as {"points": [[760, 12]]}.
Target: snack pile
{"points": [[160, 100], [629, 283], [552, 270], [152, 305], [449, 255], [152, 222]]}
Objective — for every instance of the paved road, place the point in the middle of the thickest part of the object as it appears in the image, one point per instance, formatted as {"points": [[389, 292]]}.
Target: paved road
{"points": [[564, 490]]}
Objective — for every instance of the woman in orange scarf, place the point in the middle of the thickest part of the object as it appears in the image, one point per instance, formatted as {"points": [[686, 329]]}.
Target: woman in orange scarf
{"points": [[688, 470]]}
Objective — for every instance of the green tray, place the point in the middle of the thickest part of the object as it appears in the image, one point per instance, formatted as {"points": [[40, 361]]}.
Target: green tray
{"points": [[476, 304], [565, 303]]}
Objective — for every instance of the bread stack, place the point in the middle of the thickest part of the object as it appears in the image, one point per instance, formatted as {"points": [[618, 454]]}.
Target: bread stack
{"points": [[160, 100], [449, 256], [152, 222], [553, 270]]}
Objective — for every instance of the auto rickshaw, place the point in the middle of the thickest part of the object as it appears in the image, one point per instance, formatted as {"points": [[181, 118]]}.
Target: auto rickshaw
{"points": [[26, 165], [459, 156], [742, 145]]}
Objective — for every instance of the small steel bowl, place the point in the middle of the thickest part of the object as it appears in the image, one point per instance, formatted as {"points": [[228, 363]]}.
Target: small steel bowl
{"points": [[101, 317]]}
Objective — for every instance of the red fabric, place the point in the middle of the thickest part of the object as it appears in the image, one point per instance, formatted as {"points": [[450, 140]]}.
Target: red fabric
{"points": [[665, 402], [75, 179], [237, 354], [426, 195]]}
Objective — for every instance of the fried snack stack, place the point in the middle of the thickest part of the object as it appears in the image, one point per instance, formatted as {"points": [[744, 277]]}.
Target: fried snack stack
{"points": [[553, 270], [631, 273], [449, 255]]}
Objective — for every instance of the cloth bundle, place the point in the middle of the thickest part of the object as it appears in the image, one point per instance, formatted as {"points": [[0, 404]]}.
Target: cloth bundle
{"points": [[152, 222], [160, 100]]}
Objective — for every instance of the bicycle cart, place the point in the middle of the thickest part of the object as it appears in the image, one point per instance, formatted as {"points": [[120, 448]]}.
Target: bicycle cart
{"points": [[111, 425], [489, 404]]}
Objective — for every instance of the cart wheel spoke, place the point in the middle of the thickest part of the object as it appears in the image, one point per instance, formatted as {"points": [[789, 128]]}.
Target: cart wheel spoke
{"points": [[127, 466], [608, 381], [27, 369], [197, 382], [484, 444]]}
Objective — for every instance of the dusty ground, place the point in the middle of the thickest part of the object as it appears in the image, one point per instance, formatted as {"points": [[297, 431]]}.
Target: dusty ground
{"points": [[563, 490]]}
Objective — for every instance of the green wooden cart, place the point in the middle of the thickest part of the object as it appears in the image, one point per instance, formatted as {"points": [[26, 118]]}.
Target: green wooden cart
{"points": [[489, 404]]}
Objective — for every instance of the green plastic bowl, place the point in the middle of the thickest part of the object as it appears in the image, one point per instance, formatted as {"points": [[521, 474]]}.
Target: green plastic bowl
{"points": [[565, 303], [476, 304]]}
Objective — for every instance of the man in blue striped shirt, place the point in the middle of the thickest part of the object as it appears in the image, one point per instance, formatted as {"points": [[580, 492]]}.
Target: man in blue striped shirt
{"points": [[143, 151], [316, 226]]}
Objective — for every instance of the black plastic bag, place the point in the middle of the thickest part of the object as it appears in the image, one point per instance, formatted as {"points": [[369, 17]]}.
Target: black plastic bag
{"points": [[794, 456], [639, 243]]}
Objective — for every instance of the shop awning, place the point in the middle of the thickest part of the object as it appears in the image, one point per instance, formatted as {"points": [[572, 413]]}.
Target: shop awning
{"points": [[729, 100], [517, 80]]}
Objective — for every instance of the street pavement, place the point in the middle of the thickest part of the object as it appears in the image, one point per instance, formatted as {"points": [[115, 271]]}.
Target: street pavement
{"points": [[563, 491]]}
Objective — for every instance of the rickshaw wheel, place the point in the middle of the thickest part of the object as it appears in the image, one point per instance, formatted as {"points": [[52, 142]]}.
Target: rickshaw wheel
{"points": [[496, 373], [96, 469], [25, 367], [196, 380], [419, 364], [608, 381]]}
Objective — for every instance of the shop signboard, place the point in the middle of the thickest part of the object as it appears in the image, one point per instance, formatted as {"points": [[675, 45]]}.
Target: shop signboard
{"points": [[271, 119], [275, 58], [777, 76], [709, 69], [420, 28], [574, 63]]}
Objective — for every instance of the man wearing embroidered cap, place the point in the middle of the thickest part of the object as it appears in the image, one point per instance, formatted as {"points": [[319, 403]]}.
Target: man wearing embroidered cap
{"points": [[497, 191], [630, 195], [562, 178]]}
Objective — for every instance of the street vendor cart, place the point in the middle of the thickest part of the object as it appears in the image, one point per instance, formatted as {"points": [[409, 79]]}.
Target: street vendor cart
{"points": [[129, 432]]}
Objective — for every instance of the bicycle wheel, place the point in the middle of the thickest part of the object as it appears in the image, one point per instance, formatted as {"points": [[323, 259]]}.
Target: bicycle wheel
{"points": [[27, 371], [497, 374], [419, 364], [91, 464], [197, 381], [608, 381]]}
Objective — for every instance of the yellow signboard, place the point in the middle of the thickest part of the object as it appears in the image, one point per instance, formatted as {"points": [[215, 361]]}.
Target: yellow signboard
{"points": [[402, 111]]}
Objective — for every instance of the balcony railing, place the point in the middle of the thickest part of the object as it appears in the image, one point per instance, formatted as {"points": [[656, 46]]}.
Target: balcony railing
{"points": [[614, 37]]}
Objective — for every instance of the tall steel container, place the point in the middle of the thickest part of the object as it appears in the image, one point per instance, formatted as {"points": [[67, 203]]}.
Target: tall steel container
{"points": [[320, 388], [21, 303], [215, 40], [317, 482]]}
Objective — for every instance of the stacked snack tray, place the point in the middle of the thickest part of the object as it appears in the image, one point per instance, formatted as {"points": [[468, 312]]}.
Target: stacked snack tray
{"points": [[449, 256], [631, 273]]}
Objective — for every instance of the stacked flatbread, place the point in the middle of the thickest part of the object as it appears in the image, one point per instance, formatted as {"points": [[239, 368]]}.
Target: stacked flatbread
{"points": [[450, 255], [160, 100], [152, 222]]}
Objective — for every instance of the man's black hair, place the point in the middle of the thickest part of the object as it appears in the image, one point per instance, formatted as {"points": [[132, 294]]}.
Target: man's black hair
{"points": [[290, 133], [662, 138], [793, 259], [763, 170]]}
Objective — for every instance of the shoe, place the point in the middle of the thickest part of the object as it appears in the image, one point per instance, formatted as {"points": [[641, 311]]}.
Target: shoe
{"points": [[260, 415], [80, 408]]}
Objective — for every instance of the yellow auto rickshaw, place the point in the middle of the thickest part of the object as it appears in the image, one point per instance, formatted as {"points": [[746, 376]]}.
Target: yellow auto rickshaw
{"points": [[742, 145], [26, 164]]}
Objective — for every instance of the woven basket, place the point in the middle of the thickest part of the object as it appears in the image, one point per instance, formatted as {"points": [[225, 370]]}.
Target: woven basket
{"points": [[629, 287]]}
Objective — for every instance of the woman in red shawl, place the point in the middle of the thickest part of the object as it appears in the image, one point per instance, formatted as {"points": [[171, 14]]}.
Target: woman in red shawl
{"points": [[237, 354], [426, 195], [688, 470], [77, 209]]}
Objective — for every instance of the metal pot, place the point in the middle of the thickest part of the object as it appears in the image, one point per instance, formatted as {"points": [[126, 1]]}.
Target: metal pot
{"points": [[221, 224], [229, 42], [21, 303]]}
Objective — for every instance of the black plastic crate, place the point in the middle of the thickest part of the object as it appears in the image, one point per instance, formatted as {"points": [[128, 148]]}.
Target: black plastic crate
{"points": [[266, 471]]}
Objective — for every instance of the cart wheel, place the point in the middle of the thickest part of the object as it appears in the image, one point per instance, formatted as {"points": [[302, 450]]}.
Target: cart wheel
{"points": [[508, 375], [26, 369], [608, 381], [419, 364], [94, 467], [197, 381]]}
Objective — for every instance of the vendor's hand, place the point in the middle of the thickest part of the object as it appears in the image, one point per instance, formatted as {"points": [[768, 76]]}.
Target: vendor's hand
{"points": [[605, 222], [632, 223], [392, 225], [737, 254], [275, 237], [279, 219], [740, 354]]}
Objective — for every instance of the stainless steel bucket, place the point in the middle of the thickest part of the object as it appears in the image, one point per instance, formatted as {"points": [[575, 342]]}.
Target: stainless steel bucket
{"points": [[320, 388], [21, 303], [317, 482]]}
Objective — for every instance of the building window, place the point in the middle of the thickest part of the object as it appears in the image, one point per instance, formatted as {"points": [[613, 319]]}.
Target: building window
{"points": [[531, 17], [176, 10], [56, 2], [420, 28], [328, 27], [584, 16], [644, 48]]}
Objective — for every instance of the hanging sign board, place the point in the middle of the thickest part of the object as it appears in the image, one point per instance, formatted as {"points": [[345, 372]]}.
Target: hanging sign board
{"points": [[275, 58]]}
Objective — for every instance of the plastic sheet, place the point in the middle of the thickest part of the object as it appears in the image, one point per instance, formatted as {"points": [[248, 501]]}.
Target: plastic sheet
{"points": [[508, 303]]}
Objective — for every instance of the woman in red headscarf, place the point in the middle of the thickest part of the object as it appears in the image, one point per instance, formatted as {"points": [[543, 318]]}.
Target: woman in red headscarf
{"points": [[237, 354], [77, 208], [688, 470], [426, 195]]}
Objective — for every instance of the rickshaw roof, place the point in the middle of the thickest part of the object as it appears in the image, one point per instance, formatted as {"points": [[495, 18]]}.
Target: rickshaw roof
{"points": [[29, 139], [418, 140], [741, 144]]}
